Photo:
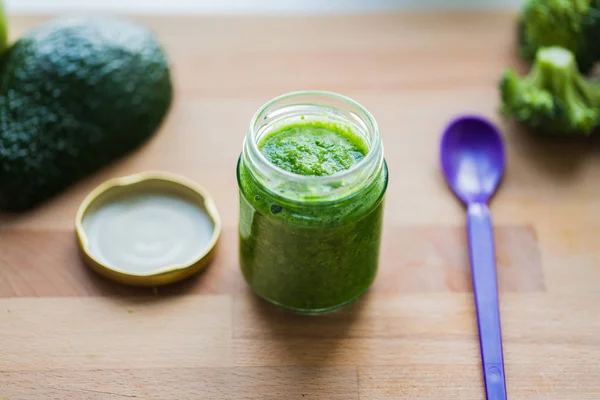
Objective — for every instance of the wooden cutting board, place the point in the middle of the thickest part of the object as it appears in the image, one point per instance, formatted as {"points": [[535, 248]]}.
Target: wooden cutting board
{"points": [[66, 333]]}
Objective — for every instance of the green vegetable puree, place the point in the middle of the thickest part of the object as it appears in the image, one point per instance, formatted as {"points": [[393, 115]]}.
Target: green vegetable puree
{"points": [[308, 256], [314, 149]]}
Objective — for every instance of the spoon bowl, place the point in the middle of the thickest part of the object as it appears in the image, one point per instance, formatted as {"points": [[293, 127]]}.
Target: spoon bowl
{"points": [[472, 158]]}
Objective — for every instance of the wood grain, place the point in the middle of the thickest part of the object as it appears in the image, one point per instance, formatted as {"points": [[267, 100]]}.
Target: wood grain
{"points": [[271, 383], [532, 382], [433, 259], [66, 333]]}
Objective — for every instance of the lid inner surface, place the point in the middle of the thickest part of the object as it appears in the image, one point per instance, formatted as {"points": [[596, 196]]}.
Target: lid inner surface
{"points": [[146, 230]]}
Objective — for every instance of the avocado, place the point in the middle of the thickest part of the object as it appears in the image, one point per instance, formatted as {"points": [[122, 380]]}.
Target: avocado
{"points": [[75, 95]]}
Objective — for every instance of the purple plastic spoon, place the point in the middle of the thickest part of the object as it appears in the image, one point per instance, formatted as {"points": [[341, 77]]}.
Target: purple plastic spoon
{"points": [[472, 157]]}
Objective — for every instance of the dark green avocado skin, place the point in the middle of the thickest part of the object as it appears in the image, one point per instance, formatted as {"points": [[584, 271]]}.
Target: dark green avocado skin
{"points": [[75, 95]]}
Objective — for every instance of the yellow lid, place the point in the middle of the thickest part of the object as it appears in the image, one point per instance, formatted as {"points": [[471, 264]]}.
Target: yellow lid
{"points": [[148, 229]]}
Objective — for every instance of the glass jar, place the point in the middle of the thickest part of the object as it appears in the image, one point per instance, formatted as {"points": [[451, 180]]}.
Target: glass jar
{"points": [[310, 243]]}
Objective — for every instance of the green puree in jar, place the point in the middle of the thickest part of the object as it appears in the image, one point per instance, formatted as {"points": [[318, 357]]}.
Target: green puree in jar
{"points": [[315, 149], [304, 255]]}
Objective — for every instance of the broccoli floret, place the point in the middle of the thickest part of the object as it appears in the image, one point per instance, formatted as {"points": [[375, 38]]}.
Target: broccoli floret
{"points": [[555, 98], [572, 24]]}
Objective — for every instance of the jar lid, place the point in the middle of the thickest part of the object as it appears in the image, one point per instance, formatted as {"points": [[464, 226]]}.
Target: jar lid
{"points": [[148, 229]]}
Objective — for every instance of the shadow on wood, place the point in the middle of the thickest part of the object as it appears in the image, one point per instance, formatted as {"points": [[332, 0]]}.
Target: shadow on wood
{"points": [[106, 287], [295, 334], [557, 156]]}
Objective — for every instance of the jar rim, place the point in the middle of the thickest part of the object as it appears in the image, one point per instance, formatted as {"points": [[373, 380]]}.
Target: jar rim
{"points": [[369, 158]]}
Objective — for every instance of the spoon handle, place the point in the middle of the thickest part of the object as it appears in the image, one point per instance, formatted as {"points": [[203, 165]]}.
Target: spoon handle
{"points": [[485, 287]]}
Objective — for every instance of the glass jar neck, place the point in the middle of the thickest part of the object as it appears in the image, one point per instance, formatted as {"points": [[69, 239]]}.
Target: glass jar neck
{"points": [[304, 107]]}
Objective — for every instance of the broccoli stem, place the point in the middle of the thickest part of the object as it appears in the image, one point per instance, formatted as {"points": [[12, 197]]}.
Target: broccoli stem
{"points": [[556, 70], [553, 60]]}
